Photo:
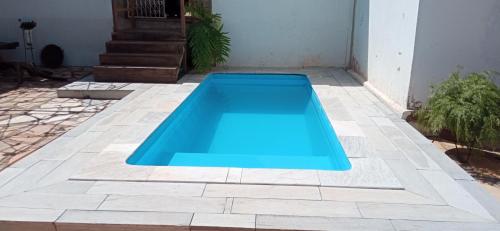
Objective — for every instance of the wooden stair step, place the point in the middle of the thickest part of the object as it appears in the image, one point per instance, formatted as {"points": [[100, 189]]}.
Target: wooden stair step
{"points": [[110, 73], [118, 46], [140, 59], [158, 24], [148, 35]]}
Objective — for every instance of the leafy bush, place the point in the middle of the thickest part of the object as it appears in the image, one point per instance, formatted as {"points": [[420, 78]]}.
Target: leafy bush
{"points": [[468, 107], [209, 44]]}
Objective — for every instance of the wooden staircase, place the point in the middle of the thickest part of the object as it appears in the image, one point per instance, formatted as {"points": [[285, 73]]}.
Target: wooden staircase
{"points": [[150, 51]]}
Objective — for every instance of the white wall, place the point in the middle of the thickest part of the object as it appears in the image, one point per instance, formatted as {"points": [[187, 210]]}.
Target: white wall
{"points": [[359, 62], [287, 32], [392, 26], [80, 27], [451, 33]]}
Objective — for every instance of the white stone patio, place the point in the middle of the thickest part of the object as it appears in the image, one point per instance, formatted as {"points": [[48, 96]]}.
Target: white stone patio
{"points": [[399, 181]]}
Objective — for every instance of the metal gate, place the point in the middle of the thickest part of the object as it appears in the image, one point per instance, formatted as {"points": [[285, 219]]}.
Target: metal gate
{"points": [[147, 8]]}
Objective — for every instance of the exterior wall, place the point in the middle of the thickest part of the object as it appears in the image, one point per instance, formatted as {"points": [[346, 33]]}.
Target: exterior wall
{"points": [[287, 33], [359, 59], [451, 33], [392, 26], [80, 28]]}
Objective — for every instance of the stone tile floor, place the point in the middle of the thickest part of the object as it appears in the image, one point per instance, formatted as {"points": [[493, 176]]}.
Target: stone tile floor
{"points": [[38, 192], [31, 115]]}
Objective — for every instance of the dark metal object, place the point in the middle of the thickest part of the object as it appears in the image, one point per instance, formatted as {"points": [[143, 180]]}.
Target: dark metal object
{"points": [[8, 46], [27, 28], [52, 56]]}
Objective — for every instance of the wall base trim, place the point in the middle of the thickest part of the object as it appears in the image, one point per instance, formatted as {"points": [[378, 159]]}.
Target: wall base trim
{"points": [[402, 111]]}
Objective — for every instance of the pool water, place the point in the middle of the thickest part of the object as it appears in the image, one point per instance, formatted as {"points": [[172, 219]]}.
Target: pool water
{"points": [[246, 121]]}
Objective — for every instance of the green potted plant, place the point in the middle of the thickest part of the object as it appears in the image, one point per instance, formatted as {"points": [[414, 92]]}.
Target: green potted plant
{"points": [[468, 107], [209, 44]]}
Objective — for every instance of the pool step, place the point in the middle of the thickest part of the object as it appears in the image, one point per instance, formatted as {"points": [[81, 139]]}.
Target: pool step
{"points": [[253, 161]]}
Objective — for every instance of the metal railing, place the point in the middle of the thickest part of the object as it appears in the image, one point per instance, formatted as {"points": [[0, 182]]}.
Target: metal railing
{"points": [[146, 8]]}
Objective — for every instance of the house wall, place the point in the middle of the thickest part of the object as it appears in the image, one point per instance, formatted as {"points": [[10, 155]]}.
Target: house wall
{"points": [[81, 28], [451, 33], [392, 25], [287, 33], [359, 58]]}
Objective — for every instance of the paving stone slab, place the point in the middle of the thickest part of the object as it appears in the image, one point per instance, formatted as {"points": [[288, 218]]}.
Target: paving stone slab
{"points": [[454, 194], [347, 128], [234, 175], [210, 221], [147, 188], [65, 187], [110, 165], [365, 173], [262, 191], [294, 207], [414, 154], [355, 146], [374, 195], [488, 202], [7, 174], [229, 205], [28, 178], [52, 201], [164, 204], [377, 139], [404, 225], [444, 162], [66, 169], [412, 133], [417, 212], [267, 222], [279, 176], [189, 174], [90, 219], [412, 180], [29, 214], [71, 146]]}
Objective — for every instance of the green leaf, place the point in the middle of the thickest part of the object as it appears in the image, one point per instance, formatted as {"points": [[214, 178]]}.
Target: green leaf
{"points": [[209, 44], [468, 107]]}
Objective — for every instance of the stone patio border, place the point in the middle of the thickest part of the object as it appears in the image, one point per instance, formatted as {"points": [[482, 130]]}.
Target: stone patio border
{"points": [[366, 172], [36, 193]]}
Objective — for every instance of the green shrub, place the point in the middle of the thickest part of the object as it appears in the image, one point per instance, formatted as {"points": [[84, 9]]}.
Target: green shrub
{"points": [[209, 44], [468, 107]]}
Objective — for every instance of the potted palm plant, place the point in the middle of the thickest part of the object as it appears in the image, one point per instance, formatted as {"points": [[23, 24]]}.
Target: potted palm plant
{"points": [[208, 43]]}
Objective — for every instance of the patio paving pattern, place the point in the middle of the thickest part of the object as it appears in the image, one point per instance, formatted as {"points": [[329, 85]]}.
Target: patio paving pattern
{"points": [[399, 180], [32, 115]]}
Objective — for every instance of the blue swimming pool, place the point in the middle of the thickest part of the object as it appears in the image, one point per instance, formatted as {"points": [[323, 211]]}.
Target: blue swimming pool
{"points": [[246, 121]]}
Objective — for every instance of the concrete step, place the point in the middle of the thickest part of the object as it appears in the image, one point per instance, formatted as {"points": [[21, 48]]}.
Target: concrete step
{"points": [[140, 59], [159, 24], [145, 74], [118, 46], [148, 35]]}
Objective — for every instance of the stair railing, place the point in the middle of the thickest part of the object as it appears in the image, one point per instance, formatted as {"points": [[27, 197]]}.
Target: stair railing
{"points": [[147, 9]]}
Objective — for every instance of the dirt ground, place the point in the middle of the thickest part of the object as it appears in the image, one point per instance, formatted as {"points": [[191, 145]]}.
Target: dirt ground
{"points": [[484, 166], [31, 115]]}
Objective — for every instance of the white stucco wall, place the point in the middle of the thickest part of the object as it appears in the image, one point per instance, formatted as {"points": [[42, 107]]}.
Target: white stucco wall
{"points": [[392, 26], [80, 27], [359, 62], [451, 33], [287, 33]]}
